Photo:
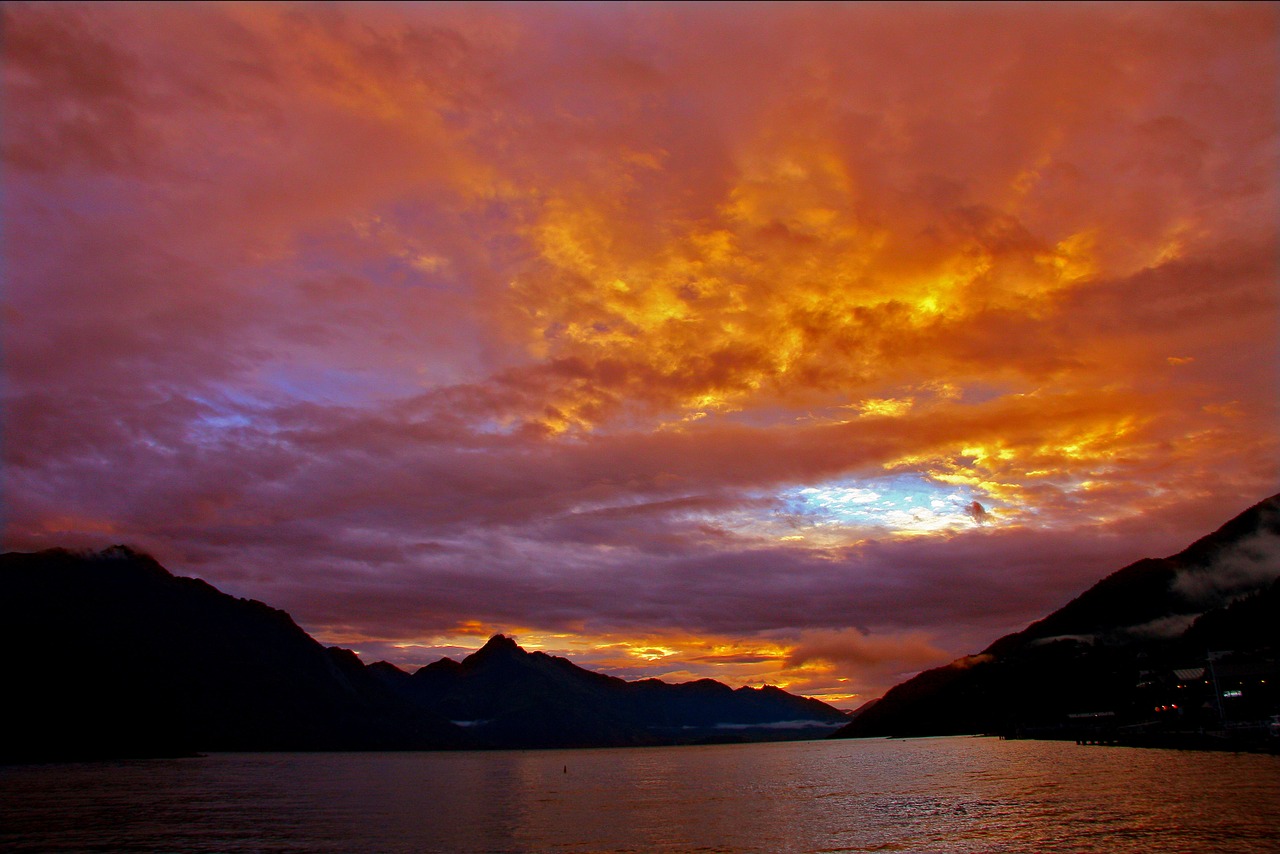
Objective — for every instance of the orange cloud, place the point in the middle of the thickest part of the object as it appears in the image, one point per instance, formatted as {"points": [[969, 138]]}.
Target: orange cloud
{"points": [[424, 320]]}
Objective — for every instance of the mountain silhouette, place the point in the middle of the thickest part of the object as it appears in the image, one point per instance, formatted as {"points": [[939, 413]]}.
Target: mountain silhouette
{"points": [[509, 697], [109, 655], [1132, 654]]}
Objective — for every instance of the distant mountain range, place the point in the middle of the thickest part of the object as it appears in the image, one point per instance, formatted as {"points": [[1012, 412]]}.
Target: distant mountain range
{"points": [[514, 698], [108, 655], [1154, 653]]}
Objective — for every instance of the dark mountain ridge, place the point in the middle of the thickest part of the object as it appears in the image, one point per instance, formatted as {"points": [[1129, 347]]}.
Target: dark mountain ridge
{"points": [[109, 655], [1109, 658], [510, 696]]}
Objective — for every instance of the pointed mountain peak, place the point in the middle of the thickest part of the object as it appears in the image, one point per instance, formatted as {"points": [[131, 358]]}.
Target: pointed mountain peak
{"points": [[498, 646]]}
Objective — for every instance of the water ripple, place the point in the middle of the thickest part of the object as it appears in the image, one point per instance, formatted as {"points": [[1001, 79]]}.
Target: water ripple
{"points": [[949, 796]]}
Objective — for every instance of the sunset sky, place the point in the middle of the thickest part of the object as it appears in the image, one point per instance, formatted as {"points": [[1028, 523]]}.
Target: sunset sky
{"points": [[802, 344]]}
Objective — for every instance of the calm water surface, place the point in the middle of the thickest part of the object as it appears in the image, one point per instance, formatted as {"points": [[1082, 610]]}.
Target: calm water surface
{"points": [[926, 795]]}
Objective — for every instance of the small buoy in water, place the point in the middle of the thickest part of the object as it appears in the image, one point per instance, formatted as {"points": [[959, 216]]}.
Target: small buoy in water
{"points": [[566, 769]]}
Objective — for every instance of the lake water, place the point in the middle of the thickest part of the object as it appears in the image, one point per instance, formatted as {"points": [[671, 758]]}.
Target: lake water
{"points": [[924, 795]]}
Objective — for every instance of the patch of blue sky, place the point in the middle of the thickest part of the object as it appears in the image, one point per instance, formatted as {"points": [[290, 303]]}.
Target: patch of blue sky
{"points": [[903, 502]]}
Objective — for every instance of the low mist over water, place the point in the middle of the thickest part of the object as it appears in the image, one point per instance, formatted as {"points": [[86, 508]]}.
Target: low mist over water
{"points": [[954, 795]]}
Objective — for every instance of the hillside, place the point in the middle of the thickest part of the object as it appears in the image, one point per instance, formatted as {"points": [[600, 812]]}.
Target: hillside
{"points": [[109, 654], [1136, 653]]}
